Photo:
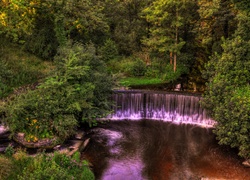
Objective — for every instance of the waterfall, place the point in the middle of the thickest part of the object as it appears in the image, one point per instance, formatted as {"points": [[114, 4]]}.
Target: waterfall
{"points": [[177, 108]]}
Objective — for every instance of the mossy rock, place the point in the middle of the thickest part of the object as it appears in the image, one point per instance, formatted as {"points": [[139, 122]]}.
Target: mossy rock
{"points": [[46, 143]]}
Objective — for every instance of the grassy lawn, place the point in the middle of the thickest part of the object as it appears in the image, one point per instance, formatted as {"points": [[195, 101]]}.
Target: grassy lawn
{"points": [[137, 81]]}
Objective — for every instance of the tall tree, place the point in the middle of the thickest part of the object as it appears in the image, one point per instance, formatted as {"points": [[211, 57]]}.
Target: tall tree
{"points": [[228, 93], [168, 20], [126, 24], [217, 20]]}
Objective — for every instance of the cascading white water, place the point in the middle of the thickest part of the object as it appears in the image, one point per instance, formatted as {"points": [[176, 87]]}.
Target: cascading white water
{"points": [[177, 108]]}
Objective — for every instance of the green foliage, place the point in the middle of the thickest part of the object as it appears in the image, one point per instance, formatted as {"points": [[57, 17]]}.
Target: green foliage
{"points": [[122, 65], [39, 112], [78, 91], [234, 122], [126, 27], [171, 76], [16, 20], [137, 81], [109, 50], [6, 167], [43, 41], [218, 20], [138, 68], [227, 97], [18, 68], [44, 167], [9, 151], [5, 76]]}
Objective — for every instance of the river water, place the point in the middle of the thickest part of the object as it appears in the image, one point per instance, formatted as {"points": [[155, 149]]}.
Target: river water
{"points": [[160, 136], [158, 150]]}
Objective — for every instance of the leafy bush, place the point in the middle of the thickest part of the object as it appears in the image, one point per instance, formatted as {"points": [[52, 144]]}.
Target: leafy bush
{"points": [[78, 91], [58, 166], [109, 50], [227, 95], [44, 167], [9, 151], [233, 116], [138, 68], [6, 167], [171, 76], [122, 66]]}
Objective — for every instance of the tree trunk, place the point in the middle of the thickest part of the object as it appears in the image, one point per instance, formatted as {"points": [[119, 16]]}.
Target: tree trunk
{"points": [[175, 59], [171, 57], [176, 41]]}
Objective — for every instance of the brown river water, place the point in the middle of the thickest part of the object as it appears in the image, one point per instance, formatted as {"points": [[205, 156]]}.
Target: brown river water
{"points": [[158, 150]]}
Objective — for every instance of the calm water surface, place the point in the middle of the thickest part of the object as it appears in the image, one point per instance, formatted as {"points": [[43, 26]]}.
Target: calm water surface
{"points": [[157, 150]]}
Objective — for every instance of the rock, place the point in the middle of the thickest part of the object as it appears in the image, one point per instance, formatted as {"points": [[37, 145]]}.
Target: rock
{"points": [[57, 147], [75, 147], [79, 135], [246, 163], [78, 146], [41, 143], [20, 135], [3, 129], [84, 145]]}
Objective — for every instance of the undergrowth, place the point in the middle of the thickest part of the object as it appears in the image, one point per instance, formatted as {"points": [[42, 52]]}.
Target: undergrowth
{"points": [[19, 68], [56, 166]]}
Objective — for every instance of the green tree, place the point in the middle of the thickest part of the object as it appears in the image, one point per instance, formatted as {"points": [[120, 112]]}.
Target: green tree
{"points": [[109, 50], [217, 20], [126, 24], [227, 96], [78, 91], [56, 21], [170, 23]]}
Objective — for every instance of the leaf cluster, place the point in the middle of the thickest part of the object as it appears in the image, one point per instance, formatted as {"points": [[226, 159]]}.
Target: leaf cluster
{"points": [[78, 91]]}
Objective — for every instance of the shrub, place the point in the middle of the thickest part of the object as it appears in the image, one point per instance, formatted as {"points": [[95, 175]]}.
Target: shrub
{"points": [[138, 68], [44, 167], [6, 167], [9, 151], [109, 50], [227, 95], [78, 91], [171, 76], [234, 121]]}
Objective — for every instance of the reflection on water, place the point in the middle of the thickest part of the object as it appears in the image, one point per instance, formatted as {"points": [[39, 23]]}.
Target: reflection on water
{"points": [[148, 149], [127, 169]]}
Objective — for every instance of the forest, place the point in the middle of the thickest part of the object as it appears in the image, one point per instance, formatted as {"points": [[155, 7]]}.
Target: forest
{"points": [[61, 59]]}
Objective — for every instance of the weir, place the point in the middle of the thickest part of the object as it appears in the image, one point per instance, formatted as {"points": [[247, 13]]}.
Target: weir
{"points": [[174, 107]]}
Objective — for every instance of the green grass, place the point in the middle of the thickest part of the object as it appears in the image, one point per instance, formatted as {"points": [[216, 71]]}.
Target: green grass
{"points": [[138, 81], [19, 68]]}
